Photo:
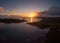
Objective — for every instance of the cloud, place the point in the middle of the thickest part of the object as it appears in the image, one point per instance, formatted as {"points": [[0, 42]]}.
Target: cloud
{"points": [[1, 9], [6, 12], [14, 12], [52, 12]]}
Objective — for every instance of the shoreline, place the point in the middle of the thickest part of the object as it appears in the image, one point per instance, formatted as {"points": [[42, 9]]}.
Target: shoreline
{"points": [[50, 22], [11, 20]]}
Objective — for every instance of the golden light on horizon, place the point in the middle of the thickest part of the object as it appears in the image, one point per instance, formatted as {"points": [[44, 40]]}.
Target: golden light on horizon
{"points": [[32, 14]]}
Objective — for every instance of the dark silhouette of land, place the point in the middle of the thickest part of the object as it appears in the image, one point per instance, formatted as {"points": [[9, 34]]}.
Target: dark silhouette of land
{"points": [[47, 22], [53, 23], [11, 20]]}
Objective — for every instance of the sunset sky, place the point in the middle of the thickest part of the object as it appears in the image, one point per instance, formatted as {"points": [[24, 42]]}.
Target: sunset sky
{"points": [[23, 7]]}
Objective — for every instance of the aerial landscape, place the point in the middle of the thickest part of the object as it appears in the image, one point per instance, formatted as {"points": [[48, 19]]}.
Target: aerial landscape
{"points": [[29, 21]]}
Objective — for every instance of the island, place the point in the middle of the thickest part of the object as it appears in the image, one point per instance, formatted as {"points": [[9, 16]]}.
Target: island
{"points": [[11, 20]]}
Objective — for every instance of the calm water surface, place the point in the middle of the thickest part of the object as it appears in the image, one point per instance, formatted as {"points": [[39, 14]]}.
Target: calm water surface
{"points": [[21, 32], [33, 19]]}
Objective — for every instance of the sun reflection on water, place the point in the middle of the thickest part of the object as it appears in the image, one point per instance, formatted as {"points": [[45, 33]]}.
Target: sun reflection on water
{"points": [[32, 19]]}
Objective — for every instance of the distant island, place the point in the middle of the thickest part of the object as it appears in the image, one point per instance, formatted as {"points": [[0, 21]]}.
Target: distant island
{"points": [[11, 20]]}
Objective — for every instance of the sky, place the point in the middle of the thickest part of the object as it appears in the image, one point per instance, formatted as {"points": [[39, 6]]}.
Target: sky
{"points": [[23, 7]]}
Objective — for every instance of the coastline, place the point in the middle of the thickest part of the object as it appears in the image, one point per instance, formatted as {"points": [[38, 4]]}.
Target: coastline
{"points": [[11, 21], [53, 36]]}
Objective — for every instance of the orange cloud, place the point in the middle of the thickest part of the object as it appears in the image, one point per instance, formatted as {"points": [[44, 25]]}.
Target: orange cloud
{"points": [[14, 12], [1, 9], [6, 12]]}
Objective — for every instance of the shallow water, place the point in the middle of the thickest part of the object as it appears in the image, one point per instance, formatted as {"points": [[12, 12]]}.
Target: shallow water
{"points": [[21, 32]]}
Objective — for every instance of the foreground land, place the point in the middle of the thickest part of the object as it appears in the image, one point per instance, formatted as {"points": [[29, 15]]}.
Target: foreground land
{"points": [[53, 23], [47, 22], [11, 20]]}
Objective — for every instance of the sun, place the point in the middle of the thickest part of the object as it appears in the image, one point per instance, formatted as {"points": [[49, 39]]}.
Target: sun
{"points": [[31, 15]]}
